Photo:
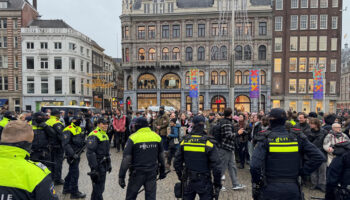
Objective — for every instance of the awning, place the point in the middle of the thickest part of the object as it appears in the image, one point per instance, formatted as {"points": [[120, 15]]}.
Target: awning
{"points": [[3, 102]]}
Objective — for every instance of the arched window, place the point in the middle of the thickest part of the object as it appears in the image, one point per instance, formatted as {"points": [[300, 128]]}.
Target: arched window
{"points": [[201, 54], [129, 83], [247, 53], [262, 52], [189, 54], [223, 53], [238, 53], [214, 53], [176, 53], [214, 77], [201, 77], [246, 78], [218, 104], [165, 54], [171, 81], [242, 104], [151, 54], [142, 54], [262, 77], [147, 81], [223, 78], [238, 77], [201, 102], [188, 77]]}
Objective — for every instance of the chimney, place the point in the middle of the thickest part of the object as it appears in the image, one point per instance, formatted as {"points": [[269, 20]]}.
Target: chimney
{"points": [[35, 4]]}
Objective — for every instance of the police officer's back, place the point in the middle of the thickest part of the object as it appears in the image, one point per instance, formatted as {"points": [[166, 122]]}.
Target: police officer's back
{"points": [[8, 116], [278, 157], [143, 156], [40, 148], [21, 178], [200, 157], [338, 173]]}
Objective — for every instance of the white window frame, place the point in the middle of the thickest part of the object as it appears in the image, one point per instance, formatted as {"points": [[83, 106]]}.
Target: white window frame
{"points": [[290, 83], [44, 63], [278, 23], [313, 3], [296, 64], [304, 21], [334, 44], [333, 65], [332, 87], [313, 40], [305, 86], [277, 40], [277, 3], [305, 63], [294, 22], [323, 41], [323, 3], [293, 43], [304, 1], [303, 43], [294, 4], [280, 65], [334, 22], [335, 3], [323, 21], [313, 21]]}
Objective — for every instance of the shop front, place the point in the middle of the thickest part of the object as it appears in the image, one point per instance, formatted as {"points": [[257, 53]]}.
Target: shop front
{"points": [[242, 104], [218, 104], [171, 99], [146, 100]]}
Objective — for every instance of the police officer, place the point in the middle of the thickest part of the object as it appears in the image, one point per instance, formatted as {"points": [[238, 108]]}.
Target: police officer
{"points": [[143, 156], [21, 178], [338, 173], [40, 148], [278, 156], [55, 128], [8, 116], [99, 158], [200, 156], [73, 142]]}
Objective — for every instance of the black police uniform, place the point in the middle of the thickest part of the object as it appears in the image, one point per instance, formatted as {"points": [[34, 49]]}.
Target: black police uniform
{"points": [[338, 173], [73, 142], [200, 157], [143, 156], [278, 157], [99, 160], [40, 146]]}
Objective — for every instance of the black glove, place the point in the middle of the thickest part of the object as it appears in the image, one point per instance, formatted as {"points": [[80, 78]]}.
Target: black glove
{"points": [[122, 182], [42, 124], [108, 165], [95, 176], [162, 175], [75, 157]]}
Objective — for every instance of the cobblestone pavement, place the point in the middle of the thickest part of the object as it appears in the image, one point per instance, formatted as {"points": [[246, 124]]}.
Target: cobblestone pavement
{"points": [[165, 187]]}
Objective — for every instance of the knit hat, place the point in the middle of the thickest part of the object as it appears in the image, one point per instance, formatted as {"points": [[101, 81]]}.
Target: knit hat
{"points": [[17, 131]]}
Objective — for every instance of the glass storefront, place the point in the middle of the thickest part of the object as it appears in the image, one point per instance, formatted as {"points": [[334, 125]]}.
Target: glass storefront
{"points": [[331, 107], [218, 104], [171, 81], [306, 106], [146, 100], [276, 104], [293, 106], [188, 103], [173, 99], [242, 104], [319, 106], [147, 81]]}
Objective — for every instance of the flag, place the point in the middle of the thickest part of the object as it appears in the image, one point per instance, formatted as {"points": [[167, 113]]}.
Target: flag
{"points": [[318, 82], [254, 83], [194, 83]]}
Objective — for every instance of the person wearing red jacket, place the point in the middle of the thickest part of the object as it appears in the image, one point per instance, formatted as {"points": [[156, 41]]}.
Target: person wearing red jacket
{"points": [[119, 128]]}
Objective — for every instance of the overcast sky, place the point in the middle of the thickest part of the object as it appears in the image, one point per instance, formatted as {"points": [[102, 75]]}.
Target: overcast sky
{"points": [[99, 19]]}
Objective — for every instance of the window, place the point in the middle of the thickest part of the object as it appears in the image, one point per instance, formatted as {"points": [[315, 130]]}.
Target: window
{"points": [[215, 53], [313, 3], [87, 88], [333, 65], [322, 63], [43, 45], [278, 23], [127, 56], [141, 32], [16, 61], [1, 83], [58, 63], [334, 44], [294, 22], [277, 65], [201, 77], [165, 54], [302, 86], [302, 64], [313, 43], [189, 53], [323, 3], [223, 29], [152, 54], [223, 78], [311, 86], [44, 63], [247, 53], [3, 23], [30, 85], [142, 54], [15, 42], [6, 83], [82, 86], [151, 32], [279, 4], [294, 3], [214, 77], [81, 65], [58, 45], [312, 63], [44, 85], [238, 78], [3, 62], [189, 30], [87, 67], [165, 31], [293, 43], [72, 46], [215, 29], [332, 87], [238, 53], [323, 43], [304, 3], [171, 81], [170, 7], [201, 54], [126, 34], [303, 43], [335, 22], [72, 63], [72, 85], [303, 22], [176, 31], [30, 63], [3, 4], [246, 78], [30, 45], [262, 28], [146, 8], [201, 30], [335, 3], [262, 52], [16, 83], [323, 21], [262, 77], [176, 53], [223, 53], [293, 63], [188, 78], [292, 86], [313, 21], [147, 81], [278, 44], [58, 85]]}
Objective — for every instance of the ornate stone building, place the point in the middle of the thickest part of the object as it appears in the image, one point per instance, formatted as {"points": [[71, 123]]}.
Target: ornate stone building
{"points": [[163, 40]]}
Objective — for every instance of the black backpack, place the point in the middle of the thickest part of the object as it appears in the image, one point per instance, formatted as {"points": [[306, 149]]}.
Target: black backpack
{"points": [[216, 132]]}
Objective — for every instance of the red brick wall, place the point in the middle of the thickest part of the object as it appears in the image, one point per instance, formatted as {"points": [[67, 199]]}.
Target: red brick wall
{"points": [[28, 14]]}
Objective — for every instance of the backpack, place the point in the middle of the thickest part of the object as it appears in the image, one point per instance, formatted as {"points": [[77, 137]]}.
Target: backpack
{"points": [[216, 132]]}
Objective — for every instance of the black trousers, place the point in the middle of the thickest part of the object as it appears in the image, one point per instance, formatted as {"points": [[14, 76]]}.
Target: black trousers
{"points": [[119, 140], [71, 180], [274, 191], [57, 158], [201, 186], [138, 179], [99, 187]]}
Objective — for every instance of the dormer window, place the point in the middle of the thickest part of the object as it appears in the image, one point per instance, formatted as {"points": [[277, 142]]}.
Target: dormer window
{"points": [[3, 4]]}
